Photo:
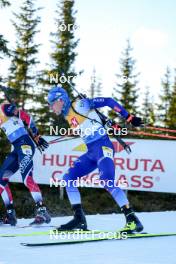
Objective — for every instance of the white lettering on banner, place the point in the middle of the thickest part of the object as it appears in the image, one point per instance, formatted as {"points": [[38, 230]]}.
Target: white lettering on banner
{"points": [[120, 163], [135, 164], [59, 160], [147, 168]]}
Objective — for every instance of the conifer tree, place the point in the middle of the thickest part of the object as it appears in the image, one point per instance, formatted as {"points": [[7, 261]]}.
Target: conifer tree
{"points": [[3, 47], [22, 72], [171, 113], [4, 51], [63, 57], [148, 113], [165, 98], [4, 3], [95, 86], [126, 91], [99, 88]]}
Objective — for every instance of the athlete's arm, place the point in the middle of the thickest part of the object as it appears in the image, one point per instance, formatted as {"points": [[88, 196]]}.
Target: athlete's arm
{"points": [[110, 102], [28, 121], [113, 104]]}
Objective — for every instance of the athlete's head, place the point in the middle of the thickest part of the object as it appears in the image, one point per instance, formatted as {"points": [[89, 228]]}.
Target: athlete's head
{"points": [[59, 100]]}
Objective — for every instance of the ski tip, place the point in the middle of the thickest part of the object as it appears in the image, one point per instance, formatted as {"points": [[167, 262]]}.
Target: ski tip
{"points": [[23, 244]]}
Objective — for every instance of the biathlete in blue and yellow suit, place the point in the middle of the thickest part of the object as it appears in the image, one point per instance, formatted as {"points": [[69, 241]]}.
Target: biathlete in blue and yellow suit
{"points": [[13, 122], [100, 152]]}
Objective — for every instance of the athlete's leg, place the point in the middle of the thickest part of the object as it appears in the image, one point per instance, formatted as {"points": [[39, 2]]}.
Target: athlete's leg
{"points": [[26, 151], [107, 174], [82, 166], [8, 168], [105, 163], [25, 158]]}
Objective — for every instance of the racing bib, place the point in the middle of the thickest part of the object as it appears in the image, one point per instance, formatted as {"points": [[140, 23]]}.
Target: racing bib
{"points": [[107, 152], [26, 149]]}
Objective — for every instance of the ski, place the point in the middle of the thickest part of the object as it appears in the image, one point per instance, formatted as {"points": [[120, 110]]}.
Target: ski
{"points": [[53, 232], [36, 226], [98, 239], [27, 226]]}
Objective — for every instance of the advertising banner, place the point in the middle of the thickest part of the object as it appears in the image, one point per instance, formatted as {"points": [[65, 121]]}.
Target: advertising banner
{"points": [[151, 166]]}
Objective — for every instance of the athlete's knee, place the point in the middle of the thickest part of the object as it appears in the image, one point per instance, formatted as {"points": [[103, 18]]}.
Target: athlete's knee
{"points": [[26, 164], [2, 185], [68, 181], [71, 174], [107, 169], [66, 177], [4, 176]]}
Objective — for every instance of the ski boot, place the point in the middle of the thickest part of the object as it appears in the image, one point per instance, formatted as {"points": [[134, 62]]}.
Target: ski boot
{"points": [[133, 224], [10, 217], [77, 223], [42, 215]]}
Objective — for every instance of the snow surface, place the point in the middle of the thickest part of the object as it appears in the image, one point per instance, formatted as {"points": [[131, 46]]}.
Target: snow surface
{"points": [[144, 251]]}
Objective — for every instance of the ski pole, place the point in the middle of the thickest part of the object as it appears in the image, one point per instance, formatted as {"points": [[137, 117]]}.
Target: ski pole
{"points": [[161, 129], [141, 133]]}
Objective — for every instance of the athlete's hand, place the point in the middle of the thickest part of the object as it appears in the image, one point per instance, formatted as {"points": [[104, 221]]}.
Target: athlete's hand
{"points": [[42, 144], [134, 120]]}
